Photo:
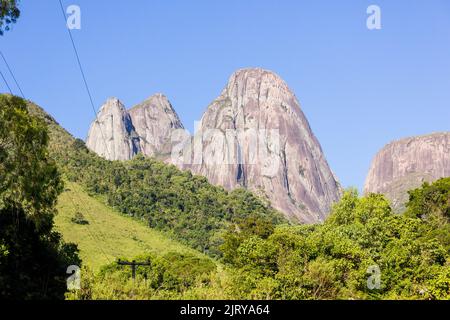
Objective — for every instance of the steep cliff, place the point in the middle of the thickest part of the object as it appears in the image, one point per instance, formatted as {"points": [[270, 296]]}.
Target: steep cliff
{"points": [[405, 164], [254, 135], [112, 134], [154, 120]]}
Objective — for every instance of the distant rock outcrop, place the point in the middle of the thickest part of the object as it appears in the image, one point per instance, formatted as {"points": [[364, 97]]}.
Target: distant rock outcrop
{"points": [[118, 134], [405, 164], [254, 135], [112, 134], [154, 121]]}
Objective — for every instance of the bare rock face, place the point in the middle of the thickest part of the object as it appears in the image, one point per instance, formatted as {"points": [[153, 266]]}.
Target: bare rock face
{"points": [[118, 134], [154, 121], [112, 134], [254, 135], [405, 164]]}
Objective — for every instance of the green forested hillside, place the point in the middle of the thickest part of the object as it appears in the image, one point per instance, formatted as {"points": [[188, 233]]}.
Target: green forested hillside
{"points": [[103, 235], [363, 251]]}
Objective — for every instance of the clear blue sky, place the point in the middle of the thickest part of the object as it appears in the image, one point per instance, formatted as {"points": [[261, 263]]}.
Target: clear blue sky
{"points": [[360, 89]]}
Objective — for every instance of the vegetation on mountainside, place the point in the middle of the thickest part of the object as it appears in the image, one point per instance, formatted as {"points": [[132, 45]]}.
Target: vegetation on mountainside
{"points": [[337, 259], [363, 251], [33, 258], [183, 205], [167, 277], [107, 235]]}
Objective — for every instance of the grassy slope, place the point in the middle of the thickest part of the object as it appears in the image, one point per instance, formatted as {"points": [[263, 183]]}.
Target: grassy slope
{"points": [[109, 235]]}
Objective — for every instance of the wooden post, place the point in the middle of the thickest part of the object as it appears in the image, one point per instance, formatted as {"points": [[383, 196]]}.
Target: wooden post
{"points": [[133, 264]]}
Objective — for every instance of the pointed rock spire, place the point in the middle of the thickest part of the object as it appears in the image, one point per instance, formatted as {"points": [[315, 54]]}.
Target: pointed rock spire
{"points": [[112, 133], [154, 120], [255, 136]]}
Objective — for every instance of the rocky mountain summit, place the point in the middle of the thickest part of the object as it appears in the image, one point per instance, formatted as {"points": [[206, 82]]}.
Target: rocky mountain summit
{"points": [[254, 135], [154, 121], [118, 134], [112, 134], [405, 164]]}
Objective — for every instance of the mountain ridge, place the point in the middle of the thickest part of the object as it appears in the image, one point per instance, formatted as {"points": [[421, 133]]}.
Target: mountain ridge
{"points": [[406, 163]]}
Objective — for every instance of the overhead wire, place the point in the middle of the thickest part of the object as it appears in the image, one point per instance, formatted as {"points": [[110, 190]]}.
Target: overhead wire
{"points": [[12, 75], [6, 82], [80, 66], [75, 205]]}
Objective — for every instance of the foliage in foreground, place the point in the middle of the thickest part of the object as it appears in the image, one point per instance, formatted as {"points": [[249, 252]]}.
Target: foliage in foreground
{"points": [[167, 277], [340, 259], [337, 260], [33, 258]]}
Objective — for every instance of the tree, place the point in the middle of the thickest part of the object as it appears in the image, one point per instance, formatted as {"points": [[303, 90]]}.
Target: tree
{"points": [[28, 177], [240, 231], [9, 13], [333, 260], [431, 203], [33, 258], [430, 199], [33, 262]]}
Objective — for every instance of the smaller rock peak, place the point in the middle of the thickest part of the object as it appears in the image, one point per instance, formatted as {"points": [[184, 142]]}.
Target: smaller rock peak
{"points": [[424, 137], [158, 100], [405, 164], [160, 95], [111, 104], [113, 101], [161, 98], [157, 96]]}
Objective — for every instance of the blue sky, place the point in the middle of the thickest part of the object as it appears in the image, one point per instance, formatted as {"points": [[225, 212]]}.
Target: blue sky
{"points": [[360, 89]]}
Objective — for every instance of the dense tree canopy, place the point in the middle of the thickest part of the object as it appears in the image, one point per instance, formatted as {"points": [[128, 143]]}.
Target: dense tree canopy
{"points": [[363, 251], [337, 259], [33, 258], [28, 177]]}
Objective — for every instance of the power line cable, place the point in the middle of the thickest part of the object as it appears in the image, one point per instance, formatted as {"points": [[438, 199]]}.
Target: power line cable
{"points": [[76, 206], [6, 82], [84, 77], [88, 92], [12, 74]]}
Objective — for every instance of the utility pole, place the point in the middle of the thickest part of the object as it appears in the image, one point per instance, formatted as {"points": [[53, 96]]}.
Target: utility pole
{"points": [[133, 264]]}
